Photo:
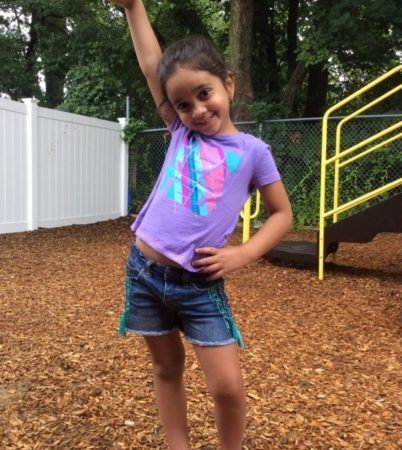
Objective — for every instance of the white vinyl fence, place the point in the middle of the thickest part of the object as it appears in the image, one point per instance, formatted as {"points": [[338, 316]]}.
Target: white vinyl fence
{"points": [[59, 168]]}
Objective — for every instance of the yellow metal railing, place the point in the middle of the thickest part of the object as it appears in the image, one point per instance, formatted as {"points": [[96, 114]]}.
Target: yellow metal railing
{"points": [[339, 155], [247, 215]]}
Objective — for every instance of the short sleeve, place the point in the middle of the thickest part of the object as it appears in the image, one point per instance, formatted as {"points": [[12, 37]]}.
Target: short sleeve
{"points": [[265, 170]]}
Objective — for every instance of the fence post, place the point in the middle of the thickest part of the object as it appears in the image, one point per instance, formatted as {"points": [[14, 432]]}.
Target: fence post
{"points": [[123, 171], [32, 163]]}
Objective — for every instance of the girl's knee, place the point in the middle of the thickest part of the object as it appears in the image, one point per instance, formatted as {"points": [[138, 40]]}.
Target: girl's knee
{"points": [[168, 356], [168, 370], [227, 389]]}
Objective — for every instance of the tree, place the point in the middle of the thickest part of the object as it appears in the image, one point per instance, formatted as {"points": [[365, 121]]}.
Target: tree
{"points": [[53, 42], [345, 45], [103, 71], [240, 38], [292, 39], [266, 72], [291, 58], [38, 29], [18, 71]]}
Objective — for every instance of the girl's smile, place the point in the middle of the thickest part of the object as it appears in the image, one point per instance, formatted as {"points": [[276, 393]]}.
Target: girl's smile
{"points": [[202, 100]]}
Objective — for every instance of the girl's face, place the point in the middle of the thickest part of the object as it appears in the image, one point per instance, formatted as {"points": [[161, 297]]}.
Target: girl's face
{"points": [[202, 100]]}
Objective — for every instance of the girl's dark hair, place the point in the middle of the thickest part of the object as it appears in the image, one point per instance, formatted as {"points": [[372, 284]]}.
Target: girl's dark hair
{"points": [[194, 52]]}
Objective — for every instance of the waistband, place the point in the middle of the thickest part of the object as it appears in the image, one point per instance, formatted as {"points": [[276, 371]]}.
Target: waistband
{"points": [[169, 272]]}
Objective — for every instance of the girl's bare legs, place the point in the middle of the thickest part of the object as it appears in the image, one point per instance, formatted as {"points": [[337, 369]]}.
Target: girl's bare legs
{"points": [[167, 354], [221, 366]]}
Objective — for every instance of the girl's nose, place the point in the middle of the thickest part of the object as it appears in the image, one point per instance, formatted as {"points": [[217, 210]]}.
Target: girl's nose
{"points": [[199, 110]]}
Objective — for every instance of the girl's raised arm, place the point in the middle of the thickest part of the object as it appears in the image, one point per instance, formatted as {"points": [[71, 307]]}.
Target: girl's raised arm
{"points": [[148, 53]]}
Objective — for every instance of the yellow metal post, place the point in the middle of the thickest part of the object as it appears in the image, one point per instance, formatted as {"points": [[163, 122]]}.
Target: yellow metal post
{"points": [[247, 215], [322, 195]]}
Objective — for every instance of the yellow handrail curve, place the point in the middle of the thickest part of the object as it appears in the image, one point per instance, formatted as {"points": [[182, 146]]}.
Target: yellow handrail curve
{"points": [[338, 164]]}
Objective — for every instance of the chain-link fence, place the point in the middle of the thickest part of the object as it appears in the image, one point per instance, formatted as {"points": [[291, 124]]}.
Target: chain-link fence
{"points": [[296, 146]]}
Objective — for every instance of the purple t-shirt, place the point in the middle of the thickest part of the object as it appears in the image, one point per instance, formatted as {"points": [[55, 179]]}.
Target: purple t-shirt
{"points": [[200, 191]]}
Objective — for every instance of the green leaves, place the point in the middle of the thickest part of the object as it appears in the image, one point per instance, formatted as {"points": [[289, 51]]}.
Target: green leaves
{"points": [[75, 46], [131, 130], [93, 90]]}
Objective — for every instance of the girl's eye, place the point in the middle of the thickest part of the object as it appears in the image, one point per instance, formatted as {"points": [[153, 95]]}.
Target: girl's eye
{"points": [[204, 94], [182, 107]]}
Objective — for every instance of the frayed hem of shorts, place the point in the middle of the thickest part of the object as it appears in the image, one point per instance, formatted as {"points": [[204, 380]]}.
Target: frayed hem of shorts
{"points": [[211, 344], [150, 333]]}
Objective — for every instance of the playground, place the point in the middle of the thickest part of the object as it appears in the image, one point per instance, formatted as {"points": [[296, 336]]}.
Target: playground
{"points": [[322, 362]]}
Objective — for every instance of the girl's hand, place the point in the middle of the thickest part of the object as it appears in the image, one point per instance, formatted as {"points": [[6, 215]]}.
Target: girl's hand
{"points": [[220, 261], [127, 4]]}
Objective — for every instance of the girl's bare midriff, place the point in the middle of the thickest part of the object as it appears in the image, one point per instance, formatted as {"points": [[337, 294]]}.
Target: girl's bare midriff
{"points": [[153, 255]]}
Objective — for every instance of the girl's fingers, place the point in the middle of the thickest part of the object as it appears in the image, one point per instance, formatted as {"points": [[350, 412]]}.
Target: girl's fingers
{"points": [[207, 250], [215, 276], [211, 268], [208, 259], [203, 261]]}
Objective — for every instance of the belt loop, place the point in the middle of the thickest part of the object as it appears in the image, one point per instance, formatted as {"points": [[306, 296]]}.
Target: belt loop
{"points": [[166, 273], [148, 266], [186, 278]]}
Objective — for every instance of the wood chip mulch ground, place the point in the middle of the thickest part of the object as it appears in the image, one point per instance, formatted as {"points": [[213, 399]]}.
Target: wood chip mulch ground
{"points": [[322, 362]]}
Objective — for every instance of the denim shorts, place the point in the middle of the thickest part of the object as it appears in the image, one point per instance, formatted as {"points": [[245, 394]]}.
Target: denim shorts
{"points": [[160, 299]]}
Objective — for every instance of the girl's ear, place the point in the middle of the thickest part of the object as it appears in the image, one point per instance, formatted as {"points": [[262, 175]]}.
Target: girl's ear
{"points": [[230, 84]]}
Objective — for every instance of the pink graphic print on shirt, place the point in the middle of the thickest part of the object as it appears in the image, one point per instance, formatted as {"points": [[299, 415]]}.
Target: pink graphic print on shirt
{"points": [[195, 177]]}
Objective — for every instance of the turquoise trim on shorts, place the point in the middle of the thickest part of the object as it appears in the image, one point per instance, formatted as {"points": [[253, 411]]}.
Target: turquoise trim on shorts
{"points": [[217, 296], [122, 328]]}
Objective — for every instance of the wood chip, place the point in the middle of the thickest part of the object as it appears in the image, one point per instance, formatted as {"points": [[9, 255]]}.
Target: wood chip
{"points": [[322, 363]]}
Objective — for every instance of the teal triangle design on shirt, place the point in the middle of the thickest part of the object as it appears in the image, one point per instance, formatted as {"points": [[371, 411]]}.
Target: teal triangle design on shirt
{"points": [[233, 161]]}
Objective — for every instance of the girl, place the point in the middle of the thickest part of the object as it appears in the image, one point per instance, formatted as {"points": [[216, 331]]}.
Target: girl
{"points": [[179, 256]]}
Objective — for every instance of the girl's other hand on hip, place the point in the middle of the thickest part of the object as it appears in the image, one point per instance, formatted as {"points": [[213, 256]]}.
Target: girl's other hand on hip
{"points": [[219, 261]]}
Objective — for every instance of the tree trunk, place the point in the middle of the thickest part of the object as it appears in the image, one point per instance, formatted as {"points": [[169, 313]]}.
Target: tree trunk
{"points": [[272, 57], [293, 87], [316, 90], [55, 60], [293, 15], [54, 88], [31, 87], [240, 38], [318, 75], [264, 67]]}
